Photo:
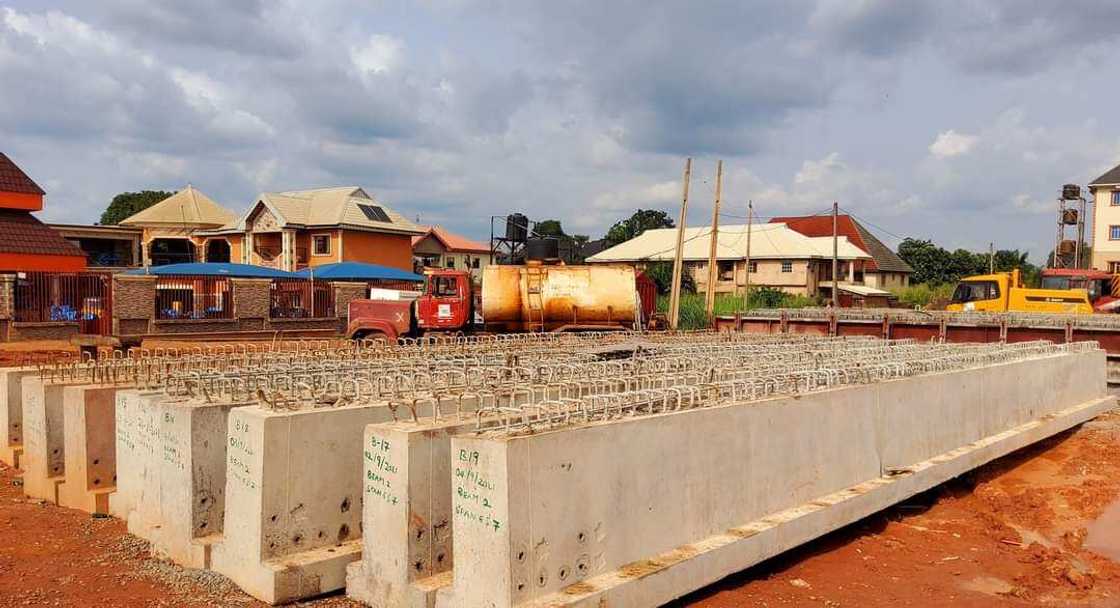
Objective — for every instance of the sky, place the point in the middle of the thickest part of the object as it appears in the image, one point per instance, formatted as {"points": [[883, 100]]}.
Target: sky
{"points": [[956, 121]]}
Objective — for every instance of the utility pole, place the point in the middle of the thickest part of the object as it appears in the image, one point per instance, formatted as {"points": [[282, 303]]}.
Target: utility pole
{"points": [[835, 253], [991, 258], [678, 260], [713, 271], [747, 286]]}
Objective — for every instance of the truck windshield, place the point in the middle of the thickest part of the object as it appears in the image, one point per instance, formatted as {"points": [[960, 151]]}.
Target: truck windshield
{"points": [[443, 287], [971, 291], [1055, 282]]}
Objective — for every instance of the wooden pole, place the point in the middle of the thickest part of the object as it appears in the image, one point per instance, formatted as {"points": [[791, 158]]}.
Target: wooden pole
{"points": [[835, 253], [678, 259], [713, 271], [747, 274], [991, 258]]}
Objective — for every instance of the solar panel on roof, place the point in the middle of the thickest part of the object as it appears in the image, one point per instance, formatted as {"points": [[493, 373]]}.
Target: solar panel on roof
{"points": [[374, 213]]}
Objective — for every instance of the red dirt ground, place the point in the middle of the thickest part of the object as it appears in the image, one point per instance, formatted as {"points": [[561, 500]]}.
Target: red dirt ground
{"points": [[1010, 534]]}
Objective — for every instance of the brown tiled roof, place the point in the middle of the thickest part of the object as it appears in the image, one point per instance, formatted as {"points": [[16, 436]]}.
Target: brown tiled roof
{"points": [[821, 225], [24, 233], [13, 179]]}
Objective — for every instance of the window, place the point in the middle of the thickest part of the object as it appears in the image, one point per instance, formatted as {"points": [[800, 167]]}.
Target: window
{"points": [[1114, 267], [450, 262], [1114, 233], [1116, 197], [972, 291], [787, 266], [754, 267], [374, 213], [444, 287], [474, 263], [726, 270], [321, 244]]}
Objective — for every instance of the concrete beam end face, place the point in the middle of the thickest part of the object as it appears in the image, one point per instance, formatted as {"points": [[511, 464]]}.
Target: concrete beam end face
{"points": [[293, 497]]}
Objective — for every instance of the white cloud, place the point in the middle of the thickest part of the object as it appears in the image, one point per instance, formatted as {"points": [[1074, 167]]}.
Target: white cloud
{"points": [[379, 54], [950, 143]]}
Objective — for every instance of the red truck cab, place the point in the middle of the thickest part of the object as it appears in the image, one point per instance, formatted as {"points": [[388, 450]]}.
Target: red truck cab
{"points": [[446, 304]]}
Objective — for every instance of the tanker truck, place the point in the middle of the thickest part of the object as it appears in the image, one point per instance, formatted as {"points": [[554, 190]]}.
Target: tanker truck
{"points": [[523, 298]]}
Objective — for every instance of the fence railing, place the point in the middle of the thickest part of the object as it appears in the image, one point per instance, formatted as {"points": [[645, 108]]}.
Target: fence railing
{"points": [[84, 298], [301, 299], [190, 298]]}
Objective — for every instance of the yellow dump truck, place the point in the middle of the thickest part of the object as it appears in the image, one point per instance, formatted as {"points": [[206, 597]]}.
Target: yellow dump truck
{"points": [[1004, 292]]}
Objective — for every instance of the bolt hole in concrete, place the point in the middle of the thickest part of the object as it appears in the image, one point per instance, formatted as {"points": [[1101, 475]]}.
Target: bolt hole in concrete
{"points": [[272, 519], [322, 534], [1103, 535], [114, 478], [520, 586], [582, 537], [297, 539], [439, 558], [419, 534], [55, 451], [96, 461], [563, 573], [203, 501], [96, 481], [343, 532], [202, 526], [419, 566], [520, 556], [345, 504]]}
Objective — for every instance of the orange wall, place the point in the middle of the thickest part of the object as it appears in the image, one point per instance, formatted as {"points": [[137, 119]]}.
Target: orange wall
{"points": [[26, 261], [234, 247], [376, 248], [303, 241], [21, 200]]}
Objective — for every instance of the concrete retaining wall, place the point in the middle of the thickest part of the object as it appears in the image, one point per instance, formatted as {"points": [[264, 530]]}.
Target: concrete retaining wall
{"points": [[89, 431], [607, 504]]}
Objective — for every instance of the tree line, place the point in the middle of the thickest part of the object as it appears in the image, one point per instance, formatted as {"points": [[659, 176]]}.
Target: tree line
{"points": [[935, 265]]}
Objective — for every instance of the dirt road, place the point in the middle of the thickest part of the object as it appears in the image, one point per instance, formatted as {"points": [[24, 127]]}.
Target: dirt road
{"points": [[1031, 529]]}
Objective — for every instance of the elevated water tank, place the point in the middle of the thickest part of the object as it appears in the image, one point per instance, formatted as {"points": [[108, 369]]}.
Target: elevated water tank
{"points": [[517, 227]]}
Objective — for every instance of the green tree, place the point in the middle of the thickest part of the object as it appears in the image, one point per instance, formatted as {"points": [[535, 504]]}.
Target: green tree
{"points": [[127, 204], [642, 220], [934, 265], [661, 273]]}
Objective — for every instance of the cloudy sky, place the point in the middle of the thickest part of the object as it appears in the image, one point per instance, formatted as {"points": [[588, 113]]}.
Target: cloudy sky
{"points": [[956, 121]]}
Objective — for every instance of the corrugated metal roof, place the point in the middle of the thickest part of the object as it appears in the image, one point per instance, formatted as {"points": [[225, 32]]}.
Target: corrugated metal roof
{"points": [[336, 207], [187, 206], [1110, 178], [768, 241], [862, 290]]}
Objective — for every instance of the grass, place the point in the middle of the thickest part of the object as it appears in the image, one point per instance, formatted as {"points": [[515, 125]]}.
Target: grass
{"points": [[695, 316], [923, 295]]}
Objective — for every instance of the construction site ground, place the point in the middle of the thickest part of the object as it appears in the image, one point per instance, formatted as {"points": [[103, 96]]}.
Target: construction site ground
{"points": [[1039, 527]]}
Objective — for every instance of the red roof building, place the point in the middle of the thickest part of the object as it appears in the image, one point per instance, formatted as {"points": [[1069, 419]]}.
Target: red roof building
{"points": [[438, 248], [27, 243], [884, 270]]}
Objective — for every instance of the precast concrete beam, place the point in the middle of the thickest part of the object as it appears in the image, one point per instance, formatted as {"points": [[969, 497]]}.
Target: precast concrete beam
{"points": [[640, 510], [89, 430], [43, 459], [293, 499], [193, 480], [11, 414], [406, 513]]}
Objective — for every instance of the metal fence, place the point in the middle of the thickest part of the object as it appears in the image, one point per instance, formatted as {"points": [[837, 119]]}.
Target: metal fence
{"points": [[301, 299], [190, 298], [84, 298]]}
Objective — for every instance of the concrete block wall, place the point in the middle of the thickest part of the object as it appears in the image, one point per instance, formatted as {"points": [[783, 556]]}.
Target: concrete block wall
{"points": [[134, 299], [607, 504], [43, 459]]}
